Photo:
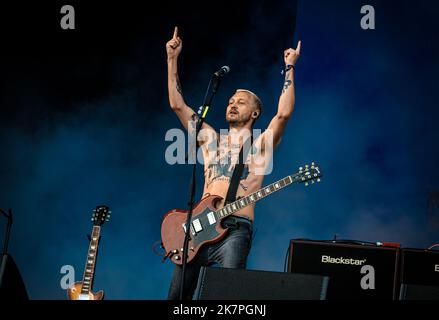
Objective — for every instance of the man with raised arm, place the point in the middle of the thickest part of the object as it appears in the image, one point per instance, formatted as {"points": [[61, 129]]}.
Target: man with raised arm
{"points": [[221, 152]]}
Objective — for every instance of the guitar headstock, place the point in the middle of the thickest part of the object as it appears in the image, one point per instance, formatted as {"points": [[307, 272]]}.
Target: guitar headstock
{"points": [[308, 174], [100, 215]]}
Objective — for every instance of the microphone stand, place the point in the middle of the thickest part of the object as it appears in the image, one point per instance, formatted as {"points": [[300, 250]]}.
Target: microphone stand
{"points": [[202, 112], [5, 245]]}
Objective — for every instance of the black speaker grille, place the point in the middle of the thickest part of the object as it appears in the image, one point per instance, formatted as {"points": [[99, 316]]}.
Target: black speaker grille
{"points": [[238, 284]]}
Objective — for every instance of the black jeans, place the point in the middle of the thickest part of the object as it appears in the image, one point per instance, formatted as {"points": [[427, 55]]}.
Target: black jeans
{"points": [[230, 252]]}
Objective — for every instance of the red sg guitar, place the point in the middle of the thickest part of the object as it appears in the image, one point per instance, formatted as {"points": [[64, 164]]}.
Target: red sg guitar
{"points": [[205, 226]]}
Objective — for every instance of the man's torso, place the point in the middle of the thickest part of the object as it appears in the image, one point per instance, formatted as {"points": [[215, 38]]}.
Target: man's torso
{"points": [[220, 157]]}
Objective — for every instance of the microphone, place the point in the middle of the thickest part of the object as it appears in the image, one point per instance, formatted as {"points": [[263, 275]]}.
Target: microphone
{"points": [[221, 72]]}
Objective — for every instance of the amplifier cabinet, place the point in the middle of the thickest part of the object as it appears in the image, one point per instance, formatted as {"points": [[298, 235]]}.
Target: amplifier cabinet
{"points": [[343, 264], [419, 274]]}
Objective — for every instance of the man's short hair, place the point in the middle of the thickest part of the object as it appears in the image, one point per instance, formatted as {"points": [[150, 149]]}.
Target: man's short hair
{"points": [[256, 99]]}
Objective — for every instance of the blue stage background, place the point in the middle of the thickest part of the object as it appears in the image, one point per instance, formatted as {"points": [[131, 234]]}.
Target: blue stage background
{"points": [[76, 133]]}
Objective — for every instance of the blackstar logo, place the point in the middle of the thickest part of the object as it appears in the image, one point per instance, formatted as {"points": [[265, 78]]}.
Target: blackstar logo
{"points": [[342, 260]]}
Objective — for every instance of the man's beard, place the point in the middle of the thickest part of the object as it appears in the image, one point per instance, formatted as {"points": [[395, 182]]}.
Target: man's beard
{"points": [[232, 120], [236, 121]]}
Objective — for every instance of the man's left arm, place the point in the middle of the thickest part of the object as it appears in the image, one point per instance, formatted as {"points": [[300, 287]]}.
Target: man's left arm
{"points": [[287, 97]]}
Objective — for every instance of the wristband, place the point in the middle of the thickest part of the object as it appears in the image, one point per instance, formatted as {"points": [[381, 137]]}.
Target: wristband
{"points": [[288, 67]]}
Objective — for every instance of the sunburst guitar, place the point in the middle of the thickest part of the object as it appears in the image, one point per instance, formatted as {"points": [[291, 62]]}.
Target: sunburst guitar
{"points": [[82, 290]]}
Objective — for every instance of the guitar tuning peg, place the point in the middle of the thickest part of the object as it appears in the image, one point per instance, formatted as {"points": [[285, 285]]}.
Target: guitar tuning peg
{"points": [[312, 163], [306, 184], [92, 219], [306, 166], [318, 180], [300, 168], [312, 181]]}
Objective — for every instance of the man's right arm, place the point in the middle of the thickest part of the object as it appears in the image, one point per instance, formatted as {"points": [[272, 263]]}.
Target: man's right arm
{"points": [[176, 100]]}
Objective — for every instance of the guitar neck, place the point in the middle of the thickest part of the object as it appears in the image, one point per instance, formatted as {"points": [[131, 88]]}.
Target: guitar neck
{"points": [[87, 279], [256, 196]]}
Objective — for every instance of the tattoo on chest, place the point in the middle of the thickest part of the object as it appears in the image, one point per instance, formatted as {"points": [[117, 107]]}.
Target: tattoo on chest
{"points": [[223, 170], [243, 186], [222, 167]]}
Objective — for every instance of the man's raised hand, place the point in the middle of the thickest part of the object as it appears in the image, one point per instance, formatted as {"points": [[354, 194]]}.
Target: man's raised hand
{"points": [[173, 46], [291, 55]]}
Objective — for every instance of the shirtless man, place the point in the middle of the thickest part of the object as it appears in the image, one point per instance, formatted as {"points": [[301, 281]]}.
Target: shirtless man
{"points": [[220, 154]]}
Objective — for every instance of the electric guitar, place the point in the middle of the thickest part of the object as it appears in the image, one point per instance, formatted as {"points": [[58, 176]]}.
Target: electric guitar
{"points": [[82, 290], [205, 225]]}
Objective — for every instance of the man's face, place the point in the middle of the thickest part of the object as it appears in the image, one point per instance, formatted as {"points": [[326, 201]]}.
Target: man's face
{"points": [[240, 108]]}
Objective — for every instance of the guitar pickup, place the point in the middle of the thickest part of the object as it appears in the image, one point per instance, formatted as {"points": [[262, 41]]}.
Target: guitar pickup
{"points": [[211, 218], [197, 225], [193, 231]]}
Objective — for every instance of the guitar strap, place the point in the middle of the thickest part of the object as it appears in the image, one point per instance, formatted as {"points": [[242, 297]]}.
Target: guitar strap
{"points": [[237, 172]]}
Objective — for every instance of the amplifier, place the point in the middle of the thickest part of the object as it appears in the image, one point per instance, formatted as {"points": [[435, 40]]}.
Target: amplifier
{"points": [[240, 284], [343, 264], [419, 274]]}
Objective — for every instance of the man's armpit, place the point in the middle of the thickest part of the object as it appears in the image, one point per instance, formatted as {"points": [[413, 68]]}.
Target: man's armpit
{"points": [[259, 144]]}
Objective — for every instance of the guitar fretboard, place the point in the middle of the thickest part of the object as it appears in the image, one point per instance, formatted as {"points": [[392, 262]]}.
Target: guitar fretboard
{"points": [[256, 196], [87, 279]]}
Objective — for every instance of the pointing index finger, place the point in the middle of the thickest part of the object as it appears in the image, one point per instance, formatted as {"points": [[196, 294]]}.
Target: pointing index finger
{"points": [[175, 32], [299, 45]]}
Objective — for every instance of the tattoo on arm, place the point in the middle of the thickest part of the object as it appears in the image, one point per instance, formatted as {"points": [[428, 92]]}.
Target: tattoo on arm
{"points": [[178, 86], [194, 117], [287, 83]]}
